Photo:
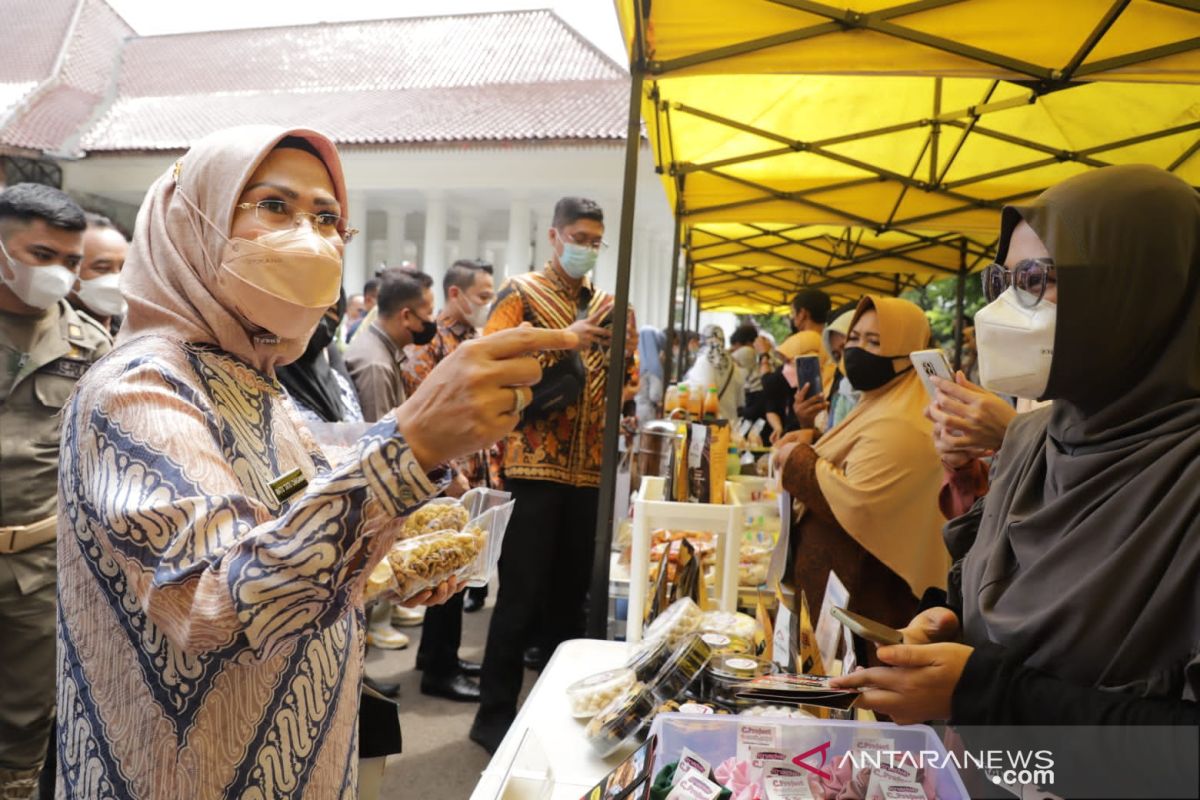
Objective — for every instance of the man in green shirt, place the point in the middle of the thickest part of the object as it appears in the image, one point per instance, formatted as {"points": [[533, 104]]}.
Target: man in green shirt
{"points": [[45, 346]]}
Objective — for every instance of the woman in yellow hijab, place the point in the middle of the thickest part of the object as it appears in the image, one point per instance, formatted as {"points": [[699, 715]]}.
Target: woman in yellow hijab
{"points": [[868, 489]]}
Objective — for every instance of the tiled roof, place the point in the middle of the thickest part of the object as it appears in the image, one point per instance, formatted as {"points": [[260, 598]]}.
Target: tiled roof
{"points": [[510, 112], [64, 101], [36, 31], [511, 76], [466, 50]]}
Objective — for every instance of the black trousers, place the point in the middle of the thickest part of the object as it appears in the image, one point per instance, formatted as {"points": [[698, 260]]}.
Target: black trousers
{"points": [[441, 634], [545, 571]]}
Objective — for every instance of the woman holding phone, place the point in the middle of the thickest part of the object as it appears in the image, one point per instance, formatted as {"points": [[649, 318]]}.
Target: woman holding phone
{"points": [[868, 488], [1075, 598]]}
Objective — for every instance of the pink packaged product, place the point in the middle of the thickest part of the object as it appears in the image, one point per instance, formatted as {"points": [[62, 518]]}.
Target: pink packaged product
{"points": [[822, 759]]}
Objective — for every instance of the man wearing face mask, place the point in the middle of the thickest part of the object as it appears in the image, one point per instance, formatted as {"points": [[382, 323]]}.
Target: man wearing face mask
{"points": [[468, 290], [376, 356], [99, 292], [551, 462], [45, 347]]}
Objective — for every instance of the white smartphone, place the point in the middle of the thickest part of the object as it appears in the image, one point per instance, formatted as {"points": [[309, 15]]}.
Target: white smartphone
{"points": [[868, 629], [928, 363]]}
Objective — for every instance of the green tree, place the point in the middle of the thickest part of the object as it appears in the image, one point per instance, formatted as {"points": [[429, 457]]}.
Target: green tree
{"points": [[939, 299], [776, 324]]}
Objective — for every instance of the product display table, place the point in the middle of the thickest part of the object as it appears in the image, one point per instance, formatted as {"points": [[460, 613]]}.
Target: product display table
{"points": [[545, 733]]}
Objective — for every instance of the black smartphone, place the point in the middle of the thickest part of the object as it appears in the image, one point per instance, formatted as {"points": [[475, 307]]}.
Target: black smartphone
{"points": [[808, 370], [868, 629]]}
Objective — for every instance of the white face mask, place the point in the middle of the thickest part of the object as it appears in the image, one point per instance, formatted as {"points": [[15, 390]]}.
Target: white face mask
{"points": [[103, 295], [39, 287], [1016, 345], [476, 315]]}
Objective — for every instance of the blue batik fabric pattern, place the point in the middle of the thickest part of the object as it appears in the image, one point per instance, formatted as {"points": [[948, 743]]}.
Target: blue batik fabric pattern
{"points": [[210, 636]]}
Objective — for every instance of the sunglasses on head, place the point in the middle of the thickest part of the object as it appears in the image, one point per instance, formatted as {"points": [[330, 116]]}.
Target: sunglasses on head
{"points": [[1030, 277]]}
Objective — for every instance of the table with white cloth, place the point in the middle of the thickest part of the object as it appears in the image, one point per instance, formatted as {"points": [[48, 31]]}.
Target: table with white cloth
{"points": [[544, 727]]}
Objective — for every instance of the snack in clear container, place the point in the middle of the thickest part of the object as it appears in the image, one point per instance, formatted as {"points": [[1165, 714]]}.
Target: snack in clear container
{"points": [[786, 712], [753, 573], [680, 619], [489, 527], [442, 514], [379, 580], [621, 720], [741, 626], [588, 696], [682, 668], [425, 561], [728, 645], [726, 673], [649, 657]]}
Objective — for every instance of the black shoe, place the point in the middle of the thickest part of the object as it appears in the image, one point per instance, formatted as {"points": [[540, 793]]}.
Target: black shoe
{"points": [[458, 688], [472, 669], [486, 738], [535, 658], [473, 602], [385, 689]]}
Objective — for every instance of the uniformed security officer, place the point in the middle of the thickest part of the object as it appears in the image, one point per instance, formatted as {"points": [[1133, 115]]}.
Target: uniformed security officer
{"points": [[45, 346]]}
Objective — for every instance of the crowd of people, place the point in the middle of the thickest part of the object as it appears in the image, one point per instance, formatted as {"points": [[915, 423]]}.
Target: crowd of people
{"points": [[174, 537]]}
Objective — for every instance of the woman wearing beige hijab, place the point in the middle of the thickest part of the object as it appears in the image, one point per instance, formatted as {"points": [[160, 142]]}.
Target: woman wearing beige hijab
{"points": [[869, 487], [212, 564]]}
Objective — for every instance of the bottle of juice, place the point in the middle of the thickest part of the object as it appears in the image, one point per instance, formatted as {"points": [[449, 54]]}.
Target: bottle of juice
{"points": [[695, 405], [670, 401], [712, 405], [684, 394]]}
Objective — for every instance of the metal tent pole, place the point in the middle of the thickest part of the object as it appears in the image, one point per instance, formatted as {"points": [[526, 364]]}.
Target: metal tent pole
{"points": [[684, 319], [960, 303], [675, 248], [598, 599]]}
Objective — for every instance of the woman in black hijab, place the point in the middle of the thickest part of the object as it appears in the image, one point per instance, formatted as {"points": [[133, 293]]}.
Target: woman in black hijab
{"points": [[319, 391], [1077, 578]]}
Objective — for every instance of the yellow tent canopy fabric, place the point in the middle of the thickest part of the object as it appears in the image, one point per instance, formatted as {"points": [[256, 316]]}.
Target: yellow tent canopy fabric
{"points": [[784, 127]]}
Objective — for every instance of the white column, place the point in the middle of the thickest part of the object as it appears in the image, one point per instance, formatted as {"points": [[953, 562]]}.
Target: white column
{"points": [[396, 218], [517, 255], [662, 280], [542, 216], [434, 251], [354, 261], [468, 233]]}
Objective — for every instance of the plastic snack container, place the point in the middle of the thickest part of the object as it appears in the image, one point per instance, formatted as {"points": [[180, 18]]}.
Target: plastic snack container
{"points": [[588, 696], [682, 669], [621, 720]]}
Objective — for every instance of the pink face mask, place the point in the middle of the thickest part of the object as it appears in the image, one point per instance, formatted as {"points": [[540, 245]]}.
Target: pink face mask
{"points": [[282, 281]]}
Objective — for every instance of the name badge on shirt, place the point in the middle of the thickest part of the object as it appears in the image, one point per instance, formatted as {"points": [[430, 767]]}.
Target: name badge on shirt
{"points": [[66, 367], [288, 485]]}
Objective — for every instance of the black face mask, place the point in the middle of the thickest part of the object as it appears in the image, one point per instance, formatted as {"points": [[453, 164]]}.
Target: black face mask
{"points": [[868, 371], [426, 334]]}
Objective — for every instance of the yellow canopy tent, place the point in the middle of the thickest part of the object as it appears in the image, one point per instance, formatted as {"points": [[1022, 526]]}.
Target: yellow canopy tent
{"points": [[908, 126], [869, 146]]}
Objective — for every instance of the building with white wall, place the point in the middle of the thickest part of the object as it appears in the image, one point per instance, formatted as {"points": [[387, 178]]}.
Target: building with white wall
{"points": [[457, 133]]}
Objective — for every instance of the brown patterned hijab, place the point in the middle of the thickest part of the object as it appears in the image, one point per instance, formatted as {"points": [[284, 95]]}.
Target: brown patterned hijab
{"points": [[1086, 559], [170, 280]]}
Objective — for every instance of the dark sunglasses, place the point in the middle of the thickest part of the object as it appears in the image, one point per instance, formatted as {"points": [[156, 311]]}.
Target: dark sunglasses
{"points": [[1029, 276]]}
